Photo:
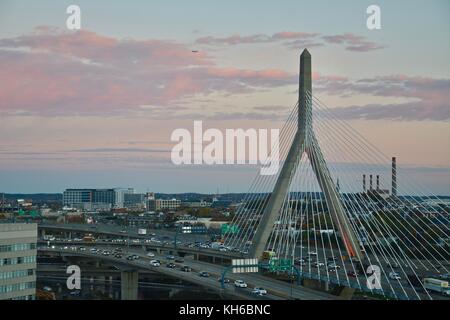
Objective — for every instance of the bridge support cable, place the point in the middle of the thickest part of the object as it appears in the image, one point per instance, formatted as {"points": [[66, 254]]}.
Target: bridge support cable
{"points": [[261, 185], [314, 208], [382, 160], [356, 198], [383, 251], [413, 225]]}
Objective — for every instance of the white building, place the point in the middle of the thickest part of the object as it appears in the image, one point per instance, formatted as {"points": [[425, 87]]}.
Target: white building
{"points": [[171, 204]]}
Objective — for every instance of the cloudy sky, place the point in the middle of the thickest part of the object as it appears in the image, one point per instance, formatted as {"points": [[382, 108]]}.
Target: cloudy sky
{"points": [[96, 107]]}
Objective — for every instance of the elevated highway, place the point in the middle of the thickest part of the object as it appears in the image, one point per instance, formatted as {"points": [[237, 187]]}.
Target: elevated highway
{"points": [[276, 289]]}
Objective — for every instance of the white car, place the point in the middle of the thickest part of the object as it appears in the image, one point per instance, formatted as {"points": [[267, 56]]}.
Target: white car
{"points": [[240, 284], [312, 253], [155, 263], [394, 276], [259, 291], [150, 254]]}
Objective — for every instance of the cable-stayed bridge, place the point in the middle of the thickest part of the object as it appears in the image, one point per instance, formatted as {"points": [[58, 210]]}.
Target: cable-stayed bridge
{"points": [[318, 214], [320, 219]]}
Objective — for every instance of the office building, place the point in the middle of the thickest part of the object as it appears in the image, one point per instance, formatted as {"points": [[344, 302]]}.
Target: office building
{"points": [[134, 201], [18, 261], [162, 204], [89, 199], [120, 195]]}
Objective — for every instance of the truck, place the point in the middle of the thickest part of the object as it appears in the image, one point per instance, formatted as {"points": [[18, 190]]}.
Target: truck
{"points": [[268, 254], [216, 245], [436, 285], [142, 231], [88, 238]]}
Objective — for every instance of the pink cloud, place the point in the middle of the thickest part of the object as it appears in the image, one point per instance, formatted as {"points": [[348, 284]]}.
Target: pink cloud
{"points": [[430, 97], [353, 42], [296, 40], [55, 72]]}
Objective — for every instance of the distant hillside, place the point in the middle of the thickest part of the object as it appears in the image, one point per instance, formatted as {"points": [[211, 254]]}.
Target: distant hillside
{"points": [[35, 197], [51, 197]]}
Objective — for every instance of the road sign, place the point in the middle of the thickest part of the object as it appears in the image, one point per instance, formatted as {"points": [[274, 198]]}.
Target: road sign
{"points": [[276, 264], [245, 265], [226, 228]]}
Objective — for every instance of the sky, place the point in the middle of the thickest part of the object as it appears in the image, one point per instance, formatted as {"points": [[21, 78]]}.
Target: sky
{"points": [[96, 107]]}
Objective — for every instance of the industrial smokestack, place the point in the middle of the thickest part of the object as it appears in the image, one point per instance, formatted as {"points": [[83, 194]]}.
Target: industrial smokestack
{"points": [[364, 182], [394, 176], [378, 182], [370, 182]]}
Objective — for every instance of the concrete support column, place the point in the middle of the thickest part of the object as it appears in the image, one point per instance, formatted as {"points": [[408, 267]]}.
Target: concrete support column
{"points": [[315, 284], [129, 285]]}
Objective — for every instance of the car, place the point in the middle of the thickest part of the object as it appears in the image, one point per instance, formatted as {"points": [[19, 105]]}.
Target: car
{"points": [[82, 248], [123, 231], [312, 253], [204, 274], [106, 253], [48, 289], [186, 269], [445, 276], [118, 256], [394, 276], [259, 291], [170, 257], [299, 262], [333, 266], [150, 254], [331, 259], [240, 284], [179, 260], [75, 293], [225, 280], [129, 258], [318, 264], [94, 250], [171, 265], [155, 263], [66, 247], [352, 274]]}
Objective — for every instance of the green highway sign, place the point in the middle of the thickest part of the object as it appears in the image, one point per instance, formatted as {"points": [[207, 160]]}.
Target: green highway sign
{"points": [[276, 264], [226, 228]]}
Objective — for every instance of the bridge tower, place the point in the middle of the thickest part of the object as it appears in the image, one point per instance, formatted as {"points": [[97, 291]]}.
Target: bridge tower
{"points": [[303, 142]]}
